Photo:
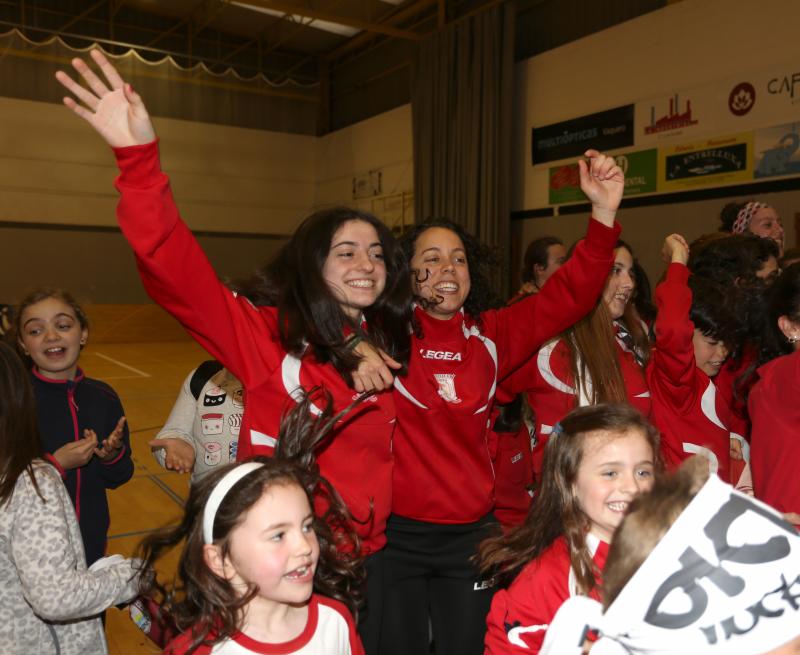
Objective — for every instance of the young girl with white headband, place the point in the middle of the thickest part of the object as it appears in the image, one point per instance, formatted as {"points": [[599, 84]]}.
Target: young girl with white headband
{"points": [[753, 217], [260, 571]]}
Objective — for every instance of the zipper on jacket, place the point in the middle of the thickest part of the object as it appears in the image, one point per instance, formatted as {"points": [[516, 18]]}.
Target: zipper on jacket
{"points": [[73, 410]]}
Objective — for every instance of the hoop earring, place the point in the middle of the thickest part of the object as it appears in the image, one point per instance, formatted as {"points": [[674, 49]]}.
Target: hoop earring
{"points": [[794, 338]]}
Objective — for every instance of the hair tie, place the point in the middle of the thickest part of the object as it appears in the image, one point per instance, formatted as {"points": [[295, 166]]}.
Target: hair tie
{"points": [[557, 430], [218, 495], [744, 216]]}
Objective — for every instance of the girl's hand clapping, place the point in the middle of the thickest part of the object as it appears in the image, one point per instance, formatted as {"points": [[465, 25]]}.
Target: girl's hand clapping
{"points": [[109, 448]]}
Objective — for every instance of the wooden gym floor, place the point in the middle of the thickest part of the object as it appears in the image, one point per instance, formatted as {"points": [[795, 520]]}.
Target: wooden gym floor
{"points": [[147, 377]]}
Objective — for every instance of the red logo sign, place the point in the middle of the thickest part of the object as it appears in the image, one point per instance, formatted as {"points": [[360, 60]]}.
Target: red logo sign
{"points": [[742, 98], [674, 119]]}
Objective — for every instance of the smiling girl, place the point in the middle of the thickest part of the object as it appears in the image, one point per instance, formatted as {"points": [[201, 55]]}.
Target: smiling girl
{"points": [[695, 330], [443, 482], [260, 571], [339, 280], [753, 217], [81, 420], [599, 358], [597, 460]]}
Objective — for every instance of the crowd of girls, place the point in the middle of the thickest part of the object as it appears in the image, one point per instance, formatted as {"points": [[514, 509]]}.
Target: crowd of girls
{"points": [[363, 520]]}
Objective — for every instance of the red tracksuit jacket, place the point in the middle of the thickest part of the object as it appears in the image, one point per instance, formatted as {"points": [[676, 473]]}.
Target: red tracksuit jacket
{"points": [[179, 277], [443, 471], [520, 615], [775, 442], [547, 380], [692, 417]]}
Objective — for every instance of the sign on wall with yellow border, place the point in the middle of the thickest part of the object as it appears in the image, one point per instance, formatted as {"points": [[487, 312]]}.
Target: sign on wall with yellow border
{"points": [[713, 162]]}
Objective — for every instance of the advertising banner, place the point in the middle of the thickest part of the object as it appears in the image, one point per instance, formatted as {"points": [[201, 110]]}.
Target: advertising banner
{"points": [[714, 162], [777, 151], [748, 101], [603, 131], [640, 170]]}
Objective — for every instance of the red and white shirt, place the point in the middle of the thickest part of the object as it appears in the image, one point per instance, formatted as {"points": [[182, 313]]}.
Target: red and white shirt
{"points": [[330, 630], [775, 441], [245, 339], [547, 380], [692, 416], [443, 470], [520, 615]]}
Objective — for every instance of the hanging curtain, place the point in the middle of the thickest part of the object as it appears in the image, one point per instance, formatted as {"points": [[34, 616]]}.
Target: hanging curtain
{"points": [[172, 91], [461, 101]]}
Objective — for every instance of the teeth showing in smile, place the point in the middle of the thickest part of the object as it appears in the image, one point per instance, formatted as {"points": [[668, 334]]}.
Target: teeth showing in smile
{"points": [[447, 287], [54, 350], [361, 284], [618, 506], [623, 297], [298, 573]]}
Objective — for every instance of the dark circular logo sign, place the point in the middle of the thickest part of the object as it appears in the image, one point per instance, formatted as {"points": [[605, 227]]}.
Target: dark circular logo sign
{"points": [[742, 98]]}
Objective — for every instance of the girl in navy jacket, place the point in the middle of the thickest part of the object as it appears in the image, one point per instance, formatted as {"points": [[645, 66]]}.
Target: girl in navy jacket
{"points": [[81, 420]]}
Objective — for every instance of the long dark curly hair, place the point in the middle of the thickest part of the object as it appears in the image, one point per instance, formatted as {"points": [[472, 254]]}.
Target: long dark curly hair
{"points": [[481, 260], [210, 604], [308, 312]]}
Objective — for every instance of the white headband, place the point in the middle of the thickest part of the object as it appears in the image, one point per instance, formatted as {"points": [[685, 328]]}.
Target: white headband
{"points": [[745, 215], [218, 495], [724, 580]]}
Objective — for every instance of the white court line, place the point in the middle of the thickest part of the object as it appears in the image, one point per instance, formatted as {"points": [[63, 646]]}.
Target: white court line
{"points": [[118, 363]]}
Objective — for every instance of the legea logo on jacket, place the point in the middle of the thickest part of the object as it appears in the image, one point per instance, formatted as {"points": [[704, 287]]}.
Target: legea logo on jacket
{"points": [[440, 354]]}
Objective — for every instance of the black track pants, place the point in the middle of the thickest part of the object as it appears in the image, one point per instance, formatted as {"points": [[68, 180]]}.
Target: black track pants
{"points": [[431, 582], [369, 618]]}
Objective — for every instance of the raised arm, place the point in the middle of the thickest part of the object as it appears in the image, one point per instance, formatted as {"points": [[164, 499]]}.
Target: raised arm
{"points": [[672, 369], [573, 290], [174, 270]]}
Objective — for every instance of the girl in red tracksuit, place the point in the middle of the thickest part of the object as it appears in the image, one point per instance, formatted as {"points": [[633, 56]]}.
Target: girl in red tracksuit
{"points": [[606, 352], [338, 280], [693, 329], [775, 440], [443, 479], [745, 265], [596, 461]]}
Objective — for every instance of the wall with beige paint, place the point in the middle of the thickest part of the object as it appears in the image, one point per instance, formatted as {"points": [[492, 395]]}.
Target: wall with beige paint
{"points": [[684, 45], [382, 143]]}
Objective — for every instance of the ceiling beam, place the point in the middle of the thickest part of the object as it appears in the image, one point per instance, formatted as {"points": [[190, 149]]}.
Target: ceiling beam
{"points": [[296, 29], [86, 12], [399, 16], [201, 16], [366, 26]]}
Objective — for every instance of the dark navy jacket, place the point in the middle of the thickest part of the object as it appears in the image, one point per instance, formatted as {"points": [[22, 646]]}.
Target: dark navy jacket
{"points": [[65, 409]]}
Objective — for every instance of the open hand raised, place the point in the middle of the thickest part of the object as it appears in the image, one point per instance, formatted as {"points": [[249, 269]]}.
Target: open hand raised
{"points": [[112, 107]]}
